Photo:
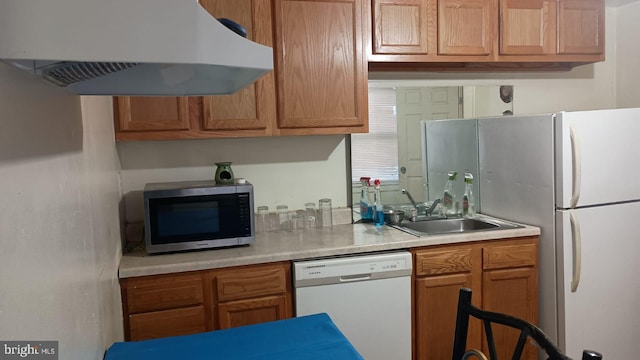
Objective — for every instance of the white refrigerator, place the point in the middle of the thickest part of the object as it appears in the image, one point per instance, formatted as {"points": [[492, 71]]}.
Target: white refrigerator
{"points": [[576, 175]]}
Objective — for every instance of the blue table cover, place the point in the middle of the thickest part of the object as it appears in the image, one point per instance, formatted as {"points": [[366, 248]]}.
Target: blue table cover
{"points": [[304, 338]]}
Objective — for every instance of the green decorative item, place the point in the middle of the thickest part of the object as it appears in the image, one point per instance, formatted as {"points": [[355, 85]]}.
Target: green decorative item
{"points": [[224, 174]]}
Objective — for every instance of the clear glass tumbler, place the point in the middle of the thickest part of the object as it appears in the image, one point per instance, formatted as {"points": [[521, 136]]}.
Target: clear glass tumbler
{"points": [[298, 220], [284, 218], [262, 219], [312, 215], [325, 218]]}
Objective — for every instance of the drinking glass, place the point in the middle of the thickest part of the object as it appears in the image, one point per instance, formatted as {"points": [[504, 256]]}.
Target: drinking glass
{"points": [[326, 220], [284, 218], [262, 219], [312, 215]]}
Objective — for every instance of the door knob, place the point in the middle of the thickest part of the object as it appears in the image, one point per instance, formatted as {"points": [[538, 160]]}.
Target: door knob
{"points": [[403, 169]]}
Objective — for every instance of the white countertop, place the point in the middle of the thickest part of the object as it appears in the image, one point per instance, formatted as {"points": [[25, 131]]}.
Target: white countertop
{"points": [[303, 244]]}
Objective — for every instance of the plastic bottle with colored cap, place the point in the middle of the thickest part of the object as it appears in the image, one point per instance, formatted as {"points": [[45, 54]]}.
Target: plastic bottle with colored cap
{"points": [[378, 217]]}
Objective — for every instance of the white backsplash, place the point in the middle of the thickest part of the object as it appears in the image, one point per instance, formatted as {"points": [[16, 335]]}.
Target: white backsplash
{"points": [[283, 170]]}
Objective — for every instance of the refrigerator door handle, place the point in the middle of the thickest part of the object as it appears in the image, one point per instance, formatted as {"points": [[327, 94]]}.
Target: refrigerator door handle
{"points": [[577, 252], [576, 167]]}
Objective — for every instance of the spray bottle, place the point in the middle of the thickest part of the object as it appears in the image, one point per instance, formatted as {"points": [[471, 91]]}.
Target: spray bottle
{"points": [[366, 209], [448, 196], [378, 216], [468, 204]]}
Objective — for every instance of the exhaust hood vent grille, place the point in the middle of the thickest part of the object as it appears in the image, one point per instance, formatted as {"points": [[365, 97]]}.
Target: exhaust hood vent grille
{"points": [[67, 73]]}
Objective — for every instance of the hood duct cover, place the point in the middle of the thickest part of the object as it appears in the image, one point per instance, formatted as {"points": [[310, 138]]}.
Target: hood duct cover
{"points": [[129, 47]]}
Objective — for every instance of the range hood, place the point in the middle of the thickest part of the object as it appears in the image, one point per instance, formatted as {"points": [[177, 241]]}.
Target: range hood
{"points": [[129, 47]]}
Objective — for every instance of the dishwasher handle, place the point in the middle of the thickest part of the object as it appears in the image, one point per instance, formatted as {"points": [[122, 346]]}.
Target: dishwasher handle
{"points": [[357, 277]]}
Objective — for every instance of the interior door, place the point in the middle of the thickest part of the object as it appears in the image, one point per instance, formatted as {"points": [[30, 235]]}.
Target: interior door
{"points": [[413, 106], [598, 251], [597, 153]]}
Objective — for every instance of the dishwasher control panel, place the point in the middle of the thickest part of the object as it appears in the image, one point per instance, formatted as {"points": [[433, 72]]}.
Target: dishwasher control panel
{"points": [[352, 268]]}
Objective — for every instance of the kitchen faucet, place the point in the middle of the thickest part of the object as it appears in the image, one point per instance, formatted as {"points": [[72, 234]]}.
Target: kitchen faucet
{"points": [[432, 207], [420, 210], [415, 206]]}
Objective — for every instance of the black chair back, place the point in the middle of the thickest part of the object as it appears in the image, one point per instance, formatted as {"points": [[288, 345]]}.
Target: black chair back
{"points": [[527, 330]]}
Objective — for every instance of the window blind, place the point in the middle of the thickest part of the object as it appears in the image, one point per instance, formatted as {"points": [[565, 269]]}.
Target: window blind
{"points": [[376, 154]]}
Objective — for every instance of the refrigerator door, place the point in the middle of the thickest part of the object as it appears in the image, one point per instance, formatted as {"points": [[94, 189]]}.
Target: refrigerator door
{"points": [[596, 153], [598, 282]]}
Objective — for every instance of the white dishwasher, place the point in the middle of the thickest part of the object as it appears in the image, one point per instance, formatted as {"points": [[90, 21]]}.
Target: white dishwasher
{"points": [[367, 296]]}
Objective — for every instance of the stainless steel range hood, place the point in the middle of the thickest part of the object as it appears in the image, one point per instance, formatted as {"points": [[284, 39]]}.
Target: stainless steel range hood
{"points": [[129, 47]]}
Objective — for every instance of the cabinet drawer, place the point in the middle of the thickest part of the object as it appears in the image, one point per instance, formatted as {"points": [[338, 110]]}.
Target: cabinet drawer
{"points": [[165, 292], [508, 256], [251, 282], [165, 323], [432, 262], [252, 311]]}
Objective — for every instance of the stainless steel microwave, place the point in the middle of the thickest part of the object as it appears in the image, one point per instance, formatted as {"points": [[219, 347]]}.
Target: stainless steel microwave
{"points": [[197, 215]]}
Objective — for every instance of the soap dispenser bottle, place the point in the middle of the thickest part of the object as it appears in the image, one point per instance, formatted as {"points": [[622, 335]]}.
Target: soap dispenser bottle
{"points": [[378, 216], [366, 208], [468, 203], [448, 196]]}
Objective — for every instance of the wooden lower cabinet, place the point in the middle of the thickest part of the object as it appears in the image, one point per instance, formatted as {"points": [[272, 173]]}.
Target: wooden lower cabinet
{"points": [[188, 303], [503, 276], [252, 311], [165, 323]]}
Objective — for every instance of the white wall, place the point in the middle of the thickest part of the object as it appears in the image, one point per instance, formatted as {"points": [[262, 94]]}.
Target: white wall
{"points": [[59, 231], [284, 170], [628, 55]]}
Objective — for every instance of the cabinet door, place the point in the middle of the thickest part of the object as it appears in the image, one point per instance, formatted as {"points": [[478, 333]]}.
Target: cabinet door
{"points": [[139, 113], [465, 27], [510, 286], [254, 107], [252, 311], [581, 27], [401, 27], [164, 292], [321, 66], [514, 292], [165, 323], [436, 309], [527, 27]]}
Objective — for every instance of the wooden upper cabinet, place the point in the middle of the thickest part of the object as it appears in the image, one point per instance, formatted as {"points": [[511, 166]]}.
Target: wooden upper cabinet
{"points": [[466, 27], [138, 113], [528, 27], [581, 27], [321, 66], [401, 26], [254, 107]]}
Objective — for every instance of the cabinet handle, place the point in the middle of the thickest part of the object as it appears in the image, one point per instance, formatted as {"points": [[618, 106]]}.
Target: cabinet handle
{"points": [[576, 168], [577, 252]]}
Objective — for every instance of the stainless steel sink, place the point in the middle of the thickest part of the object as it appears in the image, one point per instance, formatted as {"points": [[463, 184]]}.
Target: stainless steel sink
{"points": [[453, 225]]}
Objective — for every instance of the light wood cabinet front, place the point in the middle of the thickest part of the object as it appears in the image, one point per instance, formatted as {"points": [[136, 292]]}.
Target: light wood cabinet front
{"points": [[180, 304], [402, 27], [528, 27], [254, 107], [435, 314], [581, 27], [502, 275], [252, 311], [466, 27], [321, 66], [514, 292], [140, 114], [166, 323]]}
